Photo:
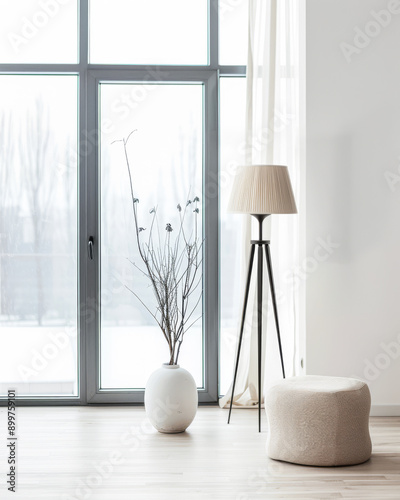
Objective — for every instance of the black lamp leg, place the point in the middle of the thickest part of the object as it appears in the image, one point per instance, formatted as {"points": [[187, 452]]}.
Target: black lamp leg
{"points": [[272, 287], [246, 297], [259, 326]]}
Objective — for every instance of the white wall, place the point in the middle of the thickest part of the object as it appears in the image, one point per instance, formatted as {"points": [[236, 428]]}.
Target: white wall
{"points": [[353, 194]]}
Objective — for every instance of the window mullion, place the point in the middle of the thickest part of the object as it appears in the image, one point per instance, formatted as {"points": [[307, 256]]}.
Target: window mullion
{"points": [[83, 44], [213, 33]]}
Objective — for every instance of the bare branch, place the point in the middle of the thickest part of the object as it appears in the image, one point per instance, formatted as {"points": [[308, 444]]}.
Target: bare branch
{"points": [[172, 267]]}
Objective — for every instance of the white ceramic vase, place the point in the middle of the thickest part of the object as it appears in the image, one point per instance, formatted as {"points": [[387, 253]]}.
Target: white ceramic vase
{"points": [[171, 399]]}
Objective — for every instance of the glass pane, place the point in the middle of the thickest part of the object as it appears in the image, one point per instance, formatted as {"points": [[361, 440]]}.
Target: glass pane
{"points": [[232, 133], [233, 31], [38, 235], [165, 155], [148, 32], [38, 31]]}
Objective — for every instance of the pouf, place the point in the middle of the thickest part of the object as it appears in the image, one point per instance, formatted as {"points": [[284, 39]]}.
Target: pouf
{"points": [[316, 420]]}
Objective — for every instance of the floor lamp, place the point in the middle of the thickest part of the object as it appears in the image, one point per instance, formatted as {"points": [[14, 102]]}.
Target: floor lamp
{"points": [[260, 190]]}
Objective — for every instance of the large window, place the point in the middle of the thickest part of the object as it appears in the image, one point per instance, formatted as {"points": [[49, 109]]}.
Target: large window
{"points": [[232, 154], [148, 32], [166, 158], [38, 229], [41, 32], [76, 78]]}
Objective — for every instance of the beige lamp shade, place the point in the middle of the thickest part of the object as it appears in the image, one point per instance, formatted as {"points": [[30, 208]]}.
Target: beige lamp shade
{"points": [[262, 189]]}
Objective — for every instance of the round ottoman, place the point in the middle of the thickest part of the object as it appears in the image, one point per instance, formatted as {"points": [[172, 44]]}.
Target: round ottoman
{"points": [[316, 420]]}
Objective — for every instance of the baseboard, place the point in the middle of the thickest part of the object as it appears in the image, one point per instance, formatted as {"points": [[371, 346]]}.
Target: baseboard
{"points": [[385, 411]]}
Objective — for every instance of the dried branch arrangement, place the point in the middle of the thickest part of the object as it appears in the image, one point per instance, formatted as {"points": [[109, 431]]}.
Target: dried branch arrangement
{"points": [[172, 264]]}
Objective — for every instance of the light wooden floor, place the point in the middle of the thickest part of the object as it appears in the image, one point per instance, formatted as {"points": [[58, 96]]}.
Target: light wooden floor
{"points": [[116, 452]]}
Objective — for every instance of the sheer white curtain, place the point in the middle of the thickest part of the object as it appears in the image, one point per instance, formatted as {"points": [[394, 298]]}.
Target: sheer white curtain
{"points": [[272, 137]]}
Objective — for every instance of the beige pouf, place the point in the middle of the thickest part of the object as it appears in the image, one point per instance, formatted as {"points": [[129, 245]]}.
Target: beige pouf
{"points": [[315, 420]]}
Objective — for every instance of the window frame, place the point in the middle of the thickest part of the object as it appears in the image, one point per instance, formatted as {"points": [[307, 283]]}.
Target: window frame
{"points": [[89, 76], [210, 153]]}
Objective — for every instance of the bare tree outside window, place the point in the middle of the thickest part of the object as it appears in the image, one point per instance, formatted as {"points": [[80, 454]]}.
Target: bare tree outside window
{"points": [[38, 179]]}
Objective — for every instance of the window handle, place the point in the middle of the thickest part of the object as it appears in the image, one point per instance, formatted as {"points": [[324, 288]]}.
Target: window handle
{"points": [[90, 247]]}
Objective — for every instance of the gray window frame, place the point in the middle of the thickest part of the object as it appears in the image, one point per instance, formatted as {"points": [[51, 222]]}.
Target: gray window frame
{"points": [[89, 76]]}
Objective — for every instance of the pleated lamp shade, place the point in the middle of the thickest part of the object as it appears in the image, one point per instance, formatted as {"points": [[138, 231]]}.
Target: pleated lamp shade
{"points": [[262, 189]]}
